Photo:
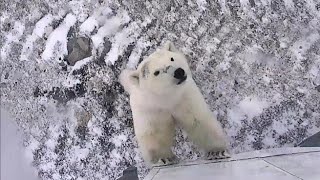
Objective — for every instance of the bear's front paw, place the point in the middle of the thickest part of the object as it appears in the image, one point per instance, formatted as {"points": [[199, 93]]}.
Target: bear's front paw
{"points": [[167, 161], [218, 155]]}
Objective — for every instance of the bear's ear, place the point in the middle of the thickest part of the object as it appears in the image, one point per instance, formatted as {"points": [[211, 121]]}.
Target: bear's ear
{"points": [[145, 70], [129, 79], [135, 76], [169, 46]]}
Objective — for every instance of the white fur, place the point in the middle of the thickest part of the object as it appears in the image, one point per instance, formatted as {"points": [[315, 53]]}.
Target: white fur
{"points": [[158, 102], [196, 119]]}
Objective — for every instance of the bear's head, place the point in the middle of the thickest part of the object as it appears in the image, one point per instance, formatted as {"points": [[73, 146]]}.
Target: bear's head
{"points": [[163, 72]]}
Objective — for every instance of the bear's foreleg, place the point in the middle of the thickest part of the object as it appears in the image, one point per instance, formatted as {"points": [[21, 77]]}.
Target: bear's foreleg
{"points": [[202, 128], [155, 132]]}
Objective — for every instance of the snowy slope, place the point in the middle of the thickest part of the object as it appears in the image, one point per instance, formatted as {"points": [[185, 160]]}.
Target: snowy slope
{"points": [[257, 63]]}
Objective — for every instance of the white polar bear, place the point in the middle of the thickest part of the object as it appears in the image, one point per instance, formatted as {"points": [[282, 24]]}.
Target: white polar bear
{"points": [[163, 93]]}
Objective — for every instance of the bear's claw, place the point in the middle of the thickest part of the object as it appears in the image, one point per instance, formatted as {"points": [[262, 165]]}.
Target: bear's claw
{"points": [[218, 155], [167, 161]]}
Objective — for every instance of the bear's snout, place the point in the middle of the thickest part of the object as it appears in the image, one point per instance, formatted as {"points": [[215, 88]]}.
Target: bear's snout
{"points": [[179, 73]]}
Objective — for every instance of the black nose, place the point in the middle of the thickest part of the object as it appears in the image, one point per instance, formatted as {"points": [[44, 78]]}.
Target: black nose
{"points": [[179, 73]]}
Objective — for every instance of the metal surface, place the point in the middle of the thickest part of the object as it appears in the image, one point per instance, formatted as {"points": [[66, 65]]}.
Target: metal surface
{"points": [[284, 163], [312, 141]]}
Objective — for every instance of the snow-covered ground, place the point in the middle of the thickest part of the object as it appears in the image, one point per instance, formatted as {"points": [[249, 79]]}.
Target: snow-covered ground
{"points": [[15, 165], [257, 63]]}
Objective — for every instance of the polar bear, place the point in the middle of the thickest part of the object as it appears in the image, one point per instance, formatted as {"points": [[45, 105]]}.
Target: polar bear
{"points": [[163, 94]]}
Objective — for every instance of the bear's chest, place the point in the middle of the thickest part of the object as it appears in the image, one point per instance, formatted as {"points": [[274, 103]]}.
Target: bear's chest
{"points": [[148, 101]]}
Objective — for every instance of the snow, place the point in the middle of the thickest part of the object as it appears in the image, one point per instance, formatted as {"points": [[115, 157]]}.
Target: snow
{"points": [[79, 10], [50, 144], [257, 65], [314, 71], [289, 4], [223, 66], [70, 82], [37, 33], [202, 4], [41, 25], [89, 25], [248, 108], [81, 63], [312, 6], [134, 57], [93, 21], [120, 41], [279, 127], [266, 2], [118, 140], [13, 36], [223, 5], [17, 32], [81, 153], [299, 48], [59, 35], [109, 28], [252, 106], [244, 2]]}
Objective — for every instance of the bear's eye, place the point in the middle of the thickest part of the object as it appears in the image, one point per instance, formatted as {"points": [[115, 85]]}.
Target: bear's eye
{"points": [[172, 59], [156, 73]]}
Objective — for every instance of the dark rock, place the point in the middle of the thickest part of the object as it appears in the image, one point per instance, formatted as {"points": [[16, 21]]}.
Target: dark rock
{"points": [[78, 49]]}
